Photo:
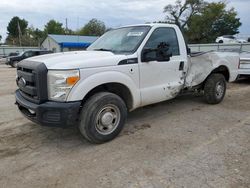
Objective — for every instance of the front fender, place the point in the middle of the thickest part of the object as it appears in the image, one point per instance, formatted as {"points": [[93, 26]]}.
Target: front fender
{"points": [[89, 82]]}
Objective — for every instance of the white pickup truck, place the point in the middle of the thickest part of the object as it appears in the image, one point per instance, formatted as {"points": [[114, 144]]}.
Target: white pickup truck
{"points": [[125, 69]]}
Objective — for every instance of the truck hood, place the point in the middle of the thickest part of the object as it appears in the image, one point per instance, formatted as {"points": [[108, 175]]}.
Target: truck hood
{"points": [[79, 59]]}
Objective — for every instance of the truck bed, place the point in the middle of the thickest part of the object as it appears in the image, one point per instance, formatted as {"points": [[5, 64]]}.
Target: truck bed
{"points": [[201, 64]]}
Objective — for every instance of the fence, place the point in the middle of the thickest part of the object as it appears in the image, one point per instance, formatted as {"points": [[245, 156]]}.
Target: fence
{"points": [[5, 50], [208, 47]]}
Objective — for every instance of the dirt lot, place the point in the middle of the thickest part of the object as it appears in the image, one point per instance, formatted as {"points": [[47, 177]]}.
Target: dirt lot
{"points": [[180, 143]]}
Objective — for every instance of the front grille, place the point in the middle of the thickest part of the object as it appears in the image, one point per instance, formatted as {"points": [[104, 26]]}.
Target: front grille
{"points": [[29, 88], [32, 81]]}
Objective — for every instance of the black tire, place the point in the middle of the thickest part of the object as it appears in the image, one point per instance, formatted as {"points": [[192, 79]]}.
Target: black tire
{"points": [[14, 64], [215, 88], [101, 109], [221, 41]]}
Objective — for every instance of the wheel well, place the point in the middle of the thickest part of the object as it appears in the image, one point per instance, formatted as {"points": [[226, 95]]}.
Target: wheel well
{"points": [[222, 70], [116, 88]]}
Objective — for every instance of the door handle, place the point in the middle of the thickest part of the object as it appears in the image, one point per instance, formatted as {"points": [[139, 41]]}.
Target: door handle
{"points": [[181, 67]]}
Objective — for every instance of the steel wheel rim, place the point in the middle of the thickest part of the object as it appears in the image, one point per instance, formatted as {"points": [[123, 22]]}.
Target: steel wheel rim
{"points": [[107, 119], [219, 90]]}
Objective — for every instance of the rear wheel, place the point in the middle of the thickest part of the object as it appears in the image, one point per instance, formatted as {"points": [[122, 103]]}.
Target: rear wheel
{"points": [[215, 88], [103, 117], [221, 41]]}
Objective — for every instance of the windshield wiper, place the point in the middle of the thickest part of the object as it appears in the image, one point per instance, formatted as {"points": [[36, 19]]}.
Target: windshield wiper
{"points": [[103, 49]]}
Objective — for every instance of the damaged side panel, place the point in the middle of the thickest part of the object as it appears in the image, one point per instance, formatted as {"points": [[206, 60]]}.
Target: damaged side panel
{"points": [[201, 65], [160, 93]]}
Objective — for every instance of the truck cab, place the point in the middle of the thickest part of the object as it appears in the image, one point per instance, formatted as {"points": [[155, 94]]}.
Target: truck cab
{"points": [[124, 69]]}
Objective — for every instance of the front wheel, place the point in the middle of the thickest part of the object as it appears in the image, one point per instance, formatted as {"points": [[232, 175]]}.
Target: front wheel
{"points": [[102, 117], [215, 88]]}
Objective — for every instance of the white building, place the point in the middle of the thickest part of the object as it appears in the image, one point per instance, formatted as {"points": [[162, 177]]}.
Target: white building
{"points": [[62, 43]]}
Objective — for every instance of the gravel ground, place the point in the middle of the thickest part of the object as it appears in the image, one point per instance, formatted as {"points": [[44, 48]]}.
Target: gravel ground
{"points": [[179, 143]]}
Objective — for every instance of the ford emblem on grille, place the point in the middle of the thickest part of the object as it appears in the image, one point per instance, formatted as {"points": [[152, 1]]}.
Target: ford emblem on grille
{"points": [[21, 82]]}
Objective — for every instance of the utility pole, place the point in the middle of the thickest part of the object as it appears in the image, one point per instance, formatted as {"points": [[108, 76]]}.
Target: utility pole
{"points": [[19, 33], [78, 28], [67, 26]]}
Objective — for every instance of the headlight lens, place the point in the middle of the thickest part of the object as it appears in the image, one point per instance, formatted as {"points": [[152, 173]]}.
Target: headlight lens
{"points": [[60, 83]]}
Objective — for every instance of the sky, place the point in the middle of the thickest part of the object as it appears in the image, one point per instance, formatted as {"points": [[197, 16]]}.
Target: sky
{"points": [[114, 13]]}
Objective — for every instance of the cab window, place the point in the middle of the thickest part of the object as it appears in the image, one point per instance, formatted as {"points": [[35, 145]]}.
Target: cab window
{"points": [[163, 35], [28, 54]]}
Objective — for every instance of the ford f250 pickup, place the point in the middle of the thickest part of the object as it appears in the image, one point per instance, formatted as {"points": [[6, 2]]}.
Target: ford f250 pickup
{"points": [[124, 69]]}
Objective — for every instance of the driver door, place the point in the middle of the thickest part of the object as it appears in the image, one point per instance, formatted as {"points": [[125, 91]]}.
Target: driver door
{"points": [[161, 80]]}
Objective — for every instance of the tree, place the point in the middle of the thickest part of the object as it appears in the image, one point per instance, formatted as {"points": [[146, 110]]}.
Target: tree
{"points": [[16, 26], [16, 30], [54, 27], [201, 21], [213, 21], [38, 36], [93, 28], [0, 38], [180, 13], [34, 36], [36, 33]]}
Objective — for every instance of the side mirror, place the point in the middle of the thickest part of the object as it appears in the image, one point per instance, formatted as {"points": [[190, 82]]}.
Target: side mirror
{"points": [[161, 53]]}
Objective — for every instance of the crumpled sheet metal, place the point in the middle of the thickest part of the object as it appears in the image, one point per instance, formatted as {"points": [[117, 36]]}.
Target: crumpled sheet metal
{"points": [[202, 65]]}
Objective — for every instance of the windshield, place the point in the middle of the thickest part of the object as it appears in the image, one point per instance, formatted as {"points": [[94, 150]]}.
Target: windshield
{"points": [[20, 54], [122, 40]]}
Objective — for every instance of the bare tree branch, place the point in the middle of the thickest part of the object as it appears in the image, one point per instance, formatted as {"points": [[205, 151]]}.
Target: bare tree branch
{"points": [[181, 12]]}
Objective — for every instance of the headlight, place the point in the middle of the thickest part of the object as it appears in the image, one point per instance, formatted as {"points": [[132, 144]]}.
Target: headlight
{"points": [[60, 83]]}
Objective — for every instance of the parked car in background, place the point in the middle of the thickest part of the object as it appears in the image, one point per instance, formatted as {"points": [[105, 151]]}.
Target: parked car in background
{"points": [[229, 39], [10, 54], [13, 60], [242, 40]]}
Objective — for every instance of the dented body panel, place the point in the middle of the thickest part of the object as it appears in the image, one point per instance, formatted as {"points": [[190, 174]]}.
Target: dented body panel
{"points": [[203, 64]]}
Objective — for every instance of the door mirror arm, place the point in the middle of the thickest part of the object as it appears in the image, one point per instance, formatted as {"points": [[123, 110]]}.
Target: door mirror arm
{"points": [[145, 52]]}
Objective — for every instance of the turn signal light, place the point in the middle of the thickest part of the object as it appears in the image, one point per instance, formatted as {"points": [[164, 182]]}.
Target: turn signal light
{"points": [[72, 80]]}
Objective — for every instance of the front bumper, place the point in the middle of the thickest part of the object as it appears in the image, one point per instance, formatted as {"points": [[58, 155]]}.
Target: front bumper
{"points": [[54, 114]]}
